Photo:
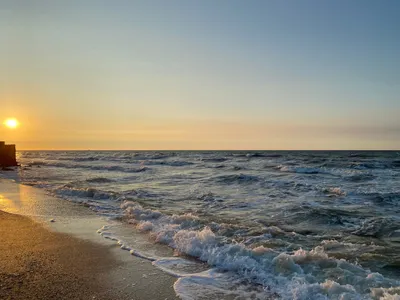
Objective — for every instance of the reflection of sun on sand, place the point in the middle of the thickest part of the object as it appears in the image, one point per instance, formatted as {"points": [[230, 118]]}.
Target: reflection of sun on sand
{"points": [[19, 200]]}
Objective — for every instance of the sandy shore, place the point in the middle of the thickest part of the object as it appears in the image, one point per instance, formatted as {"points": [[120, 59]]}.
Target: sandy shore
{"points": [[39, 264], [66, 259], [36, 263]]}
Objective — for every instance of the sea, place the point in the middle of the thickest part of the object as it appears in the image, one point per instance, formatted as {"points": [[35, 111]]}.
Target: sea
{"points": [[243, 224]]}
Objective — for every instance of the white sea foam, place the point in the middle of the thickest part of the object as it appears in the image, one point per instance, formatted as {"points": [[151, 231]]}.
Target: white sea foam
{"points": [[212, 284], [392, 293], [302, 170], [145, 226], [335, 191], [297, 275]]}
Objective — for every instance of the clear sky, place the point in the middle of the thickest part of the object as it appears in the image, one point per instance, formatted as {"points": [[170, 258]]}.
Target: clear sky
{"points": [[220, 74]]}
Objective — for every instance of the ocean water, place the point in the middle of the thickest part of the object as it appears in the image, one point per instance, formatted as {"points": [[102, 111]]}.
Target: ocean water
{"points": [[244, 225]]}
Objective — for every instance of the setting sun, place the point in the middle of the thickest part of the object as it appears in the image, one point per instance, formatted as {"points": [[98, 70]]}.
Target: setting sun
{"points": [[11, 123]]}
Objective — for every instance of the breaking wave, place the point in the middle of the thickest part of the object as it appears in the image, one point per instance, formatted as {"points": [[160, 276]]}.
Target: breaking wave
{"points": [[300, 274], [80, 194], [302, 170]]}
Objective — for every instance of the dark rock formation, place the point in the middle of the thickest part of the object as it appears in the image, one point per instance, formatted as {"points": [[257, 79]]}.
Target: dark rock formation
{"points": [[7, 155]]}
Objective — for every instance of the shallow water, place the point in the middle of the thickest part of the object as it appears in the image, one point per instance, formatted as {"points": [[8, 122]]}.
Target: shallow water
{"points": [[286, 224]]}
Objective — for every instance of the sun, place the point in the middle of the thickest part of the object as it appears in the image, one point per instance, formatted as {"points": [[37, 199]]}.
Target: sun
{"points": [[11, 123]]}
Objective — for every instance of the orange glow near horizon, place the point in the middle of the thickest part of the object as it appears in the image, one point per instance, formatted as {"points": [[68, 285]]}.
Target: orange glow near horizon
{"points": [[11, 123]]}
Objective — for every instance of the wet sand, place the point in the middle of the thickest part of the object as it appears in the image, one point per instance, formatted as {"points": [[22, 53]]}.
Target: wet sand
{"points": [[36, 263], [39, 264]]}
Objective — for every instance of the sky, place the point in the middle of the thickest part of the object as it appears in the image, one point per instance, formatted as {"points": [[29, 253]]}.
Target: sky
{"points": [[220, 74]]}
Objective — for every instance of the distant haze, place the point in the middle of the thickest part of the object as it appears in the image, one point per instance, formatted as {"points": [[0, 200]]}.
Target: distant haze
{"points": [[310, 74]]}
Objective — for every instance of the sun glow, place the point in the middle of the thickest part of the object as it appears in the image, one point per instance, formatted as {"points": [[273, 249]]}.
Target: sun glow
{"points": [[11, 123]]}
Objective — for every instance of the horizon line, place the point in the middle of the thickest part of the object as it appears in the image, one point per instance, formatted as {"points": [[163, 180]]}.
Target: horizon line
{"points": [[198, 150]]}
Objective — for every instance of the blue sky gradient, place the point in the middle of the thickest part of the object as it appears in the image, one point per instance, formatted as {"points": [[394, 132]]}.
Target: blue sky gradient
{"points": [[201, 74]]}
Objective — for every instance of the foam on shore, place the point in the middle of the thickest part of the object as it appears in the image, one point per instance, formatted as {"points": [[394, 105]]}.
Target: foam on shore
{"points": [[254, 272]]}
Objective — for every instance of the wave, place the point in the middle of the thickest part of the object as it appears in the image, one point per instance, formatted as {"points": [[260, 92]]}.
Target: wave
{"points": [[159, 155], [214, 159], [264, 154], [208, 197], [227, 167], [99, 180], [391, 293], [238, 168], [236, 178], [255, 155], [139, 155], [386, 198], [396, 164], [392, 198], [90, 167], [361, 155], [352, 174], [79, 159], [36, 163], [302, 170], [79, 194], [325, 217], [369, 165], [361, 177], [291, 275], [334, 192], [74, 192], [377, 227], [348, 250], [175, 163], [217, 166]]}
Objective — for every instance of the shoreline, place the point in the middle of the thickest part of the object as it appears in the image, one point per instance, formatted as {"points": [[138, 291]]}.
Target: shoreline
{"points": [[66, 259]]}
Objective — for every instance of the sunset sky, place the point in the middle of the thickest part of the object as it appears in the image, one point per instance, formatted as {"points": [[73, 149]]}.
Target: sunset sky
{"points": [[296, 74]]}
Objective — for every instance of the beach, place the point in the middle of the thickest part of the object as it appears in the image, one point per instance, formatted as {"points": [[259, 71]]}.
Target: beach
{"points": [[40, 259]]}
